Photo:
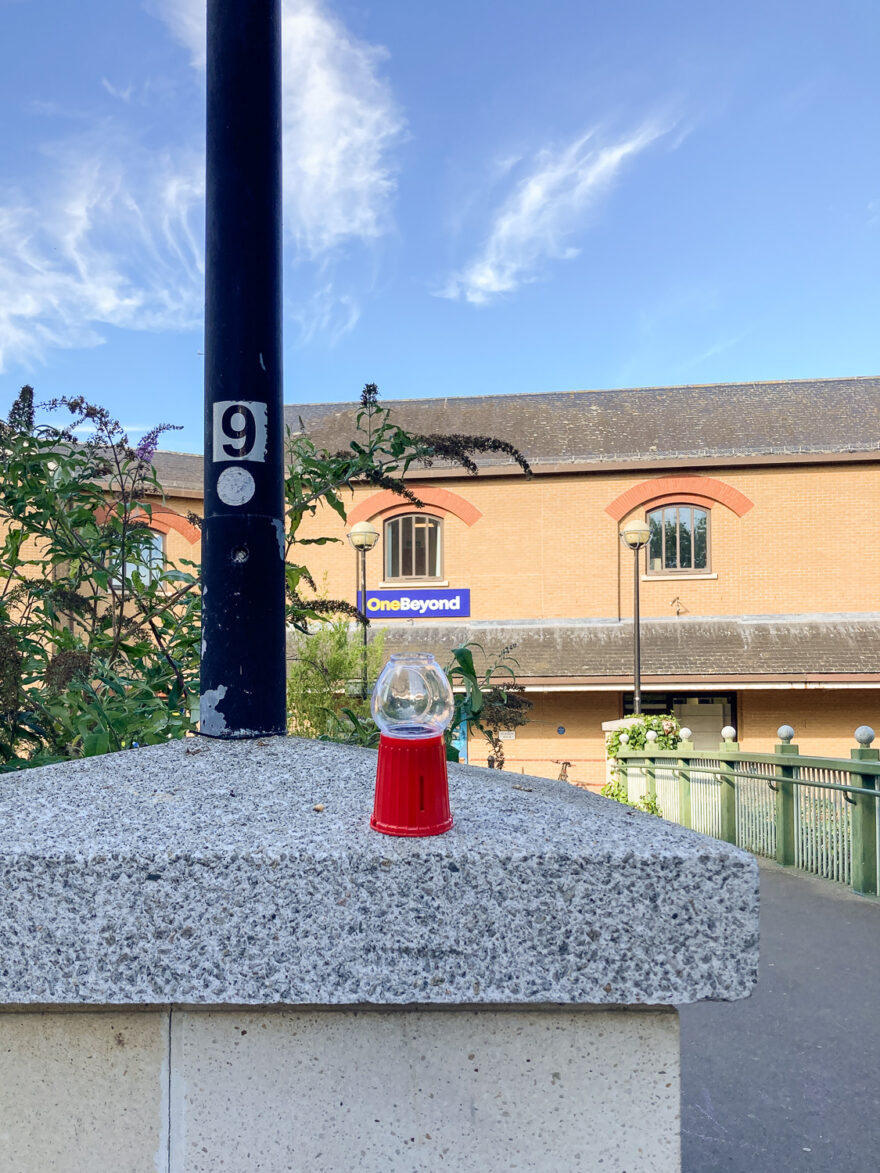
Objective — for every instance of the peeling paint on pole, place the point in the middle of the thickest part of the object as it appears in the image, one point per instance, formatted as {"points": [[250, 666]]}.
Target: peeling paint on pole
{"points": [[243, 625]]}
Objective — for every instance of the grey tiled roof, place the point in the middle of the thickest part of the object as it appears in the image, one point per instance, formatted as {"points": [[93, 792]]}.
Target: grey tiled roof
{"points": [[179, 470], [652, 423], [797, 646], [613, 428]]}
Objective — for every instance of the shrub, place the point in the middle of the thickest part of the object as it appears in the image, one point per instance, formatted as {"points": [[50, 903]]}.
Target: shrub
{"points": [[325, 679], [96, 650], [668, 733]]}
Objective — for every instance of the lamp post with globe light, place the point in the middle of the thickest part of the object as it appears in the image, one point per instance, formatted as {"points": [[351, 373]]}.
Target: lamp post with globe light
{"points": [[363, 536], [635, 535]]}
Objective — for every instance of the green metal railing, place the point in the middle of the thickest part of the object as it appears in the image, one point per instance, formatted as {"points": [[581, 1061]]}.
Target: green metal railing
{"points": [[818, 814]]}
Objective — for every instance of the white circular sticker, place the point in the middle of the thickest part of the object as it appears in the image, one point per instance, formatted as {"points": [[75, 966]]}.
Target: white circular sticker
{"points": [[235, 486]]}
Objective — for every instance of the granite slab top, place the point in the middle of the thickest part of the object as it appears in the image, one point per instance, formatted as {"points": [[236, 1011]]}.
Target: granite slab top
{"points": [[201, 872]]}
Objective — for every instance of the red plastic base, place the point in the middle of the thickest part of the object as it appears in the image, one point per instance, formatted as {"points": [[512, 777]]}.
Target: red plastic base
{"points": [[412, 792]]}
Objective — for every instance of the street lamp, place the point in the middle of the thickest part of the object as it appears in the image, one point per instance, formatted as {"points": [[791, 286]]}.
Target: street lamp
{"points": [[635, 535], [363, 536]]}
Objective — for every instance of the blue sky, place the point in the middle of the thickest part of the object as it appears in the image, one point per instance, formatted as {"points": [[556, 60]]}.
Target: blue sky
{"points": [[480, 197]]}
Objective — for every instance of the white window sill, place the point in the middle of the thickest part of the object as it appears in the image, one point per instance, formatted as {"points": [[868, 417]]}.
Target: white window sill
{"points": [[676, 577], [411, 584]]}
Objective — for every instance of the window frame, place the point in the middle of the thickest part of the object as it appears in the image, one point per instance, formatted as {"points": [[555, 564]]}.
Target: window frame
{"points": [[678, 571], [399, 520], [150, 568]]}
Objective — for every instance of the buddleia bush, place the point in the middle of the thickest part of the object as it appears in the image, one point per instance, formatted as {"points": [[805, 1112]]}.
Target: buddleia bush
{"points": [[98, 644]]}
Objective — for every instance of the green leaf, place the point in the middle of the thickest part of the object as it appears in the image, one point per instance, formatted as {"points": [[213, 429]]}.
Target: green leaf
{"points": [[96, 743]]}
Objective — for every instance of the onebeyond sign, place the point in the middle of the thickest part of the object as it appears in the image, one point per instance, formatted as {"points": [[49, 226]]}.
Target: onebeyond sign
{"points": [[412, 604]]}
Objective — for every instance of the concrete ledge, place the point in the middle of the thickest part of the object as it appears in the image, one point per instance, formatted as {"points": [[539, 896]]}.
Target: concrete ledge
{"points": [[199, 872]]}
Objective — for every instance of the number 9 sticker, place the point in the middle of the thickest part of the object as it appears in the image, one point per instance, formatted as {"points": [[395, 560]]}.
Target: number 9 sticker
{"points": [[240, 431]]}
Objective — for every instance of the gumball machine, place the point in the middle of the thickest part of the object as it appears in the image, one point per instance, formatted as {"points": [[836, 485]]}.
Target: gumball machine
{"points": [[412, 704]]}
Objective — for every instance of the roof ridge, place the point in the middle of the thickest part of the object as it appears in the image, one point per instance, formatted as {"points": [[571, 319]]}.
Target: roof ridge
{"points": [[344, 404]]}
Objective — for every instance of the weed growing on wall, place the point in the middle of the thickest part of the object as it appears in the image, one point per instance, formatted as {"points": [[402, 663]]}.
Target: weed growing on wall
{"points": [[487, 701]]}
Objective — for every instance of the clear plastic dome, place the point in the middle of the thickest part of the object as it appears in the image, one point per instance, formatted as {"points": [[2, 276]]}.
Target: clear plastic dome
{"points": [[412, 697]]}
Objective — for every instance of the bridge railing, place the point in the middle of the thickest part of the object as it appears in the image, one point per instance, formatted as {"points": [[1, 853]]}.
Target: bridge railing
{"points": [[817, 814]]}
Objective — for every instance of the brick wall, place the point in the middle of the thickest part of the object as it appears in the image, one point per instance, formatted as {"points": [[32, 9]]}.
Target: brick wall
{"points": [[823, 720], [546, 548], [538, 747]]}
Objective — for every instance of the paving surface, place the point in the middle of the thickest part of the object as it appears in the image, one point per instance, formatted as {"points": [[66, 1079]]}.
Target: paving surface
{"points": [[789, 1080]]}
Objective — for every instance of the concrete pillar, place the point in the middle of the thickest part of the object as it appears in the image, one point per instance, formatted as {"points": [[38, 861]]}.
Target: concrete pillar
{"points": [[209, 960]]}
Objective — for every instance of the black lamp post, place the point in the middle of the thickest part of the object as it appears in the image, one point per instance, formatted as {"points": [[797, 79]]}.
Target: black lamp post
{"points": [[243, 674], [363, 536], [635, 535]]}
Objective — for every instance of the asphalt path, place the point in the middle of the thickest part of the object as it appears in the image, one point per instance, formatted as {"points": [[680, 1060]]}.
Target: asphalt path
{"points": [[789, 1079]]}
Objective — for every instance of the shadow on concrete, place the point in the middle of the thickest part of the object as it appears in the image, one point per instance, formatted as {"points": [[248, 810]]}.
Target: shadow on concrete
{"points": [[789, 1080]]}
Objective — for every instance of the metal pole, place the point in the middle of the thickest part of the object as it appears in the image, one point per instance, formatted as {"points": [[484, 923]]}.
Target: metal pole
{"points": [[637, 651], [243, 624], [364, 680]]}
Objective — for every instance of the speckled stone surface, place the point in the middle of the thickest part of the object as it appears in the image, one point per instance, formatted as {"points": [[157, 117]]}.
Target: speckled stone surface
{"points": [[199, 872], [419, 1091]]}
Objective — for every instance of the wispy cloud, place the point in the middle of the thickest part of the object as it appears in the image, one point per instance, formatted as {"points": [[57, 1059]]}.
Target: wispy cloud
{"points": [[327, 313], [537, 220], [112, 233], [116, 92], [105, 242], [339, 120]]}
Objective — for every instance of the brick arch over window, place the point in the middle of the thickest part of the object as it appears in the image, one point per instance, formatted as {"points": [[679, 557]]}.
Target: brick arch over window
{"points": [[164, 520], [685, 490], [437, 501]]}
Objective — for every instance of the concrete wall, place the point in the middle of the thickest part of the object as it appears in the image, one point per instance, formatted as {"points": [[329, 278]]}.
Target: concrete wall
{"points": [[322, 1091], [503, 996]]}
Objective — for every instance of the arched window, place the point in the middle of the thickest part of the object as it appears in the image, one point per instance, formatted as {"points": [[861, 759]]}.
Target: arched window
{"points": [[679, 542], [413, 547], [147, 560], [151, 557]]}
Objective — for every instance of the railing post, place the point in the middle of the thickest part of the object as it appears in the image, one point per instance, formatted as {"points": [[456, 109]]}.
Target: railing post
{"points": [[864, 818], [650, 765], [623, 775], [684, 784], [728, 785], [785, 852]]}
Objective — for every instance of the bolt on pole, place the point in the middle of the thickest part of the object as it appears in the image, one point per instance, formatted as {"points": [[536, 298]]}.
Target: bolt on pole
{"points": [[243, 598]]}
